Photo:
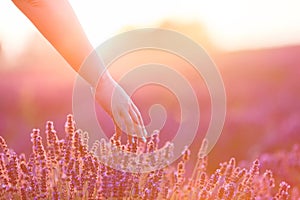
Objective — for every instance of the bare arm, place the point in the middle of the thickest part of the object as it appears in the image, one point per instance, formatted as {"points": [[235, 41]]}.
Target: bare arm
{"points": [[57, 22]]}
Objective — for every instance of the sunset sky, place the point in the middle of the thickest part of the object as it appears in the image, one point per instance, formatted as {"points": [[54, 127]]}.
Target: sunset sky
{"points": [[232, 24]]}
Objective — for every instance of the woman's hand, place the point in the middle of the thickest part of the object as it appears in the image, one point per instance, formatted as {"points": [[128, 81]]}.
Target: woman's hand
{"points": [[115, 101], [56, 20]]}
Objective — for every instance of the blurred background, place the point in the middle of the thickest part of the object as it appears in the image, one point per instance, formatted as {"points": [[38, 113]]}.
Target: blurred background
{"points": [[255, 44]]}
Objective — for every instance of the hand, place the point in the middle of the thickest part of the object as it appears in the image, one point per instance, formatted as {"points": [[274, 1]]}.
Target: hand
{"points": [[115, 101], [66, 35]]}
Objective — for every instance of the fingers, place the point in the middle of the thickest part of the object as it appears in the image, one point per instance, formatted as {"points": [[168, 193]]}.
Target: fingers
{"points": [[128, 119], [138, 118], [133, 128], [136, 115], [138, 124], [126, 115], [129, 124]]}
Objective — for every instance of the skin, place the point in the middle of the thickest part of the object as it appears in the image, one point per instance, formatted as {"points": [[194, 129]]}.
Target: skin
{"points": [[57, 22]]}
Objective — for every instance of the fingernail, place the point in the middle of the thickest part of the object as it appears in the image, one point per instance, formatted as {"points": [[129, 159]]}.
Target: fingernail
{"points": [[144, 139]]}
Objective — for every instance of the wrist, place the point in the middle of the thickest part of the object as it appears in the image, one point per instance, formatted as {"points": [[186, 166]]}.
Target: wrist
{"points": [[103, 81]]}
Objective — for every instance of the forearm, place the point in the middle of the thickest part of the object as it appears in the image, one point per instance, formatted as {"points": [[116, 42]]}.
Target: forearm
{"points": [[57, 22]]}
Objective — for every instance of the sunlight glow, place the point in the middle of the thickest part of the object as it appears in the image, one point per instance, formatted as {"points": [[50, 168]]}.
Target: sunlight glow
{"points": [[231, 24]]}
